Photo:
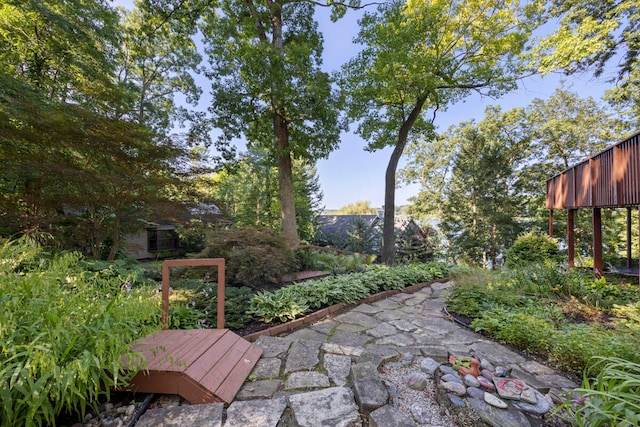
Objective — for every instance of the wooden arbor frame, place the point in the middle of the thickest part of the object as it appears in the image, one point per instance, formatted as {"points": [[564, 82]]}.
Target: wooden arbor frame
{"points": [[217, 262], [608, 179], [202, 365]]}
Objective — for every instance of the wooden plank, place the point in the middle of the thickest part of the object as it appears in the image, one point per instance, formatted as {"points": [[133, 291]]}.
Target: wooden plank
{"points": [[156, 382], [202, 366], [230, 386], [194, 392], [199, 344], [209, 360], [154, 345], [169, 344], [216, 376]]}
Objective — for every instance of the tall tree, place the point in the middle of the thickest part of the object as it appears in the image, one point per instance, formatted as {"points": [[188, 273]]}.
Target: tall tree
{"points": [[481, 202], [157, 59], [267, 86], [422, 55], [63, 149], [247, 191]]}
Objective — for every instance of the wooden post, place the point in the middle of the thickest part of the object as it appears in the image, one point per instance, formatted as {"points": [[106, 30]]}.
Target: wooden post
{"points": [[597, 242], [629, 264], [551, 223], [219, 262], [571, 238], [165, 295]]}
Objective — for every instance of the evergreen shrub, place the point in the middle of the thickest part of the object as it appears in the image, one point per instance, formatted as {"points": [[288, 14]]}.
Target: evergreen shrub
{"points": [[532, 248]]}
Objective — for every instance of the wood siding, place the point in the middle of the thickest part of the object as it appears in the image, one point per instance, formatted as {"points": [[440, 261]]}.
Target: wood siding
{"points": [[608, 179]]}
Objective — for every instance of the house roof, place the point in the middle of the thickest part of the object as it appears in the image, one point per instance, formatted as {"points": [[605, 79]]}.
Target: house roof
{"points": [[341, 224]]}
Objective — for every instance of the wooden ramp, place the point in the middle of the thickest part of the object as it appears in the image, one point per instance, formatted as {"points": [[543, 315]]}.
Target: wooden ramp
{"points": [[202, 365]]}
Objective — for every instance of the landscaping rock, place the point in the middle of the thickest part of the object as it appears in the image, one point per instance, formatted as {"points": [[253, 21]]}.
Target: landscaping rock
{"points": [[334, 407], [542, 405], [267, 368], [388, 416], [370, 393], [206, 415], [273, 346], [416, 381], [429, 366], [421, 413], [338, 368], [496, 417], [494, 400], [451, 378], [255, 413], [303, 356], [306, 380], [382, 330], [471, 381], [475, 392], [261, 389], [456, 388]]}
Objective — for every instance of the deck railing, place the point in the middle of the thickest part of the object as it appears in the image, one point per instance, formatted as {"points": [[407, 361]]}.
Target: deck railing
{"points": [[610, 178]]}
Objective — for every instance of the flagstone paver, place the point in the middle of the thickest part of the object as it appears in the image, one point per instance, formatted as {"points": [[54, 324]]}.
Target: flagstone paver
{"points": [[328, 373]]}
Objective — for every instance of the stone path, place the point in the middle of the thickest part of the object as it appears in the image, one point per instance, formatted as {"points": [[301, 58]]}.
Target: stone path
{"points": [[328, 373]]}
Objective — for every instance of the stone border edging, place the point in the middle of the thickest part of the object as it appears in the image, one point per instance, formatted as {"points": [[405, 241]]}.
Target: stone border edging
{"points": [[327, 311]]}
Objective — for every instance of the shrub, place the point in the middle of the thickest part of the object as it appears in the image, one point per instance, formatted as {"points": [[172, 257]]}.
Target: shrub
{"points": [[531, 248], [69, 353], [325, 260], [255, 257]]}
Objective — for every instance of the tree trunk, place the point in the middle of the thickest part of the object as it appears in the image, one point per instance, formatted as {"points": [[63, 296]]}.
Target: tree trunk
{"points": [[283, 152], [388, 230], [115, 245], [285, 181]]}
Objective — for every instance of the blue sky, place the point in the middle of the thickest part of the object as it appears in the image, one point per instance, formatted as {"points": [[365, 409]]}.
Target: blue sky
{"points": [[351, 174]]}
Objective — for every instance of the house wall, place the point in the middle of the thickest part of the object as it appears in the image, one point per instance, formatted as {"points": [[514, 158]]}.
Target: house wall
{"points": [[137, 245]]}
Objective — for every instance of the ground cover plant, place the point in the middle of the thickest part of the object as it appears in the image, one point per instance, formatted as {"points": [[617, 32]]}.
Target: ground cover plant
{"points": [[567, 317], [296, 300], [64, 327]]}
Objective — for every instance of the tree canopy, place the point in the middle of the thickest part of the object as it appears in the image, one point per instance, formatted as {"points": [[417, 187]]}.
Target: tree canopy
{"points": [[420, 56], [267, 87]]}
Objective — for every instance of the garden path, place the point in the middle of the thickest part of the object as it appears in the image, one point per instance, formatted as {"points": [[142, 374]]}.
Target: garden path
{"points": [[339, 371]]}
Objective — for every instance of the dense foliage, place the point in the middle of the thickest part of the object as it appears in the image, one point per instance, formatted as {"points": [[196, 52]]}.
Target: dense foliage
{"points": [[296, 300], [530, 249], [255, 257], [64, 328], [568, 317]]}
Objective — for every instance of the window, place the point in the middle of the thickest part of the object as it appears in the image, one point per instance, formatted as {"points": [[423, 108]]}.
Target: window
{"points": [[162, 239]]}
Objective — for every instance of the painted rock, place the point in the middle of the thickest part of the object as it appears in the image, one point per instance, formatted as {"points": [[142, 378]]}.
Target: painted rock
{"points": [[486, 384], [509, 388]]}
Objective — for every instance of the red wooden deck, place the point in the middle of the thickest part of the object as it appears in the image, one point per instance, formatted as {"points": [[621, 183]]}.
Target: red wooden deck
{"points": [[202, 365]]}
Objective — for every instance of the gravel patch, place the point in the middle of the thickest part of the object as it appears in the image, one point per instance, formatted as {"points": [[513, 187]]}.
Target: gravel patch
{"points": [[418, 405]]}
